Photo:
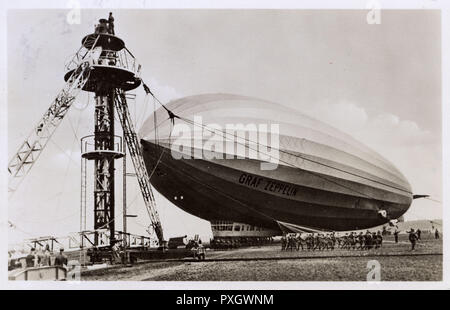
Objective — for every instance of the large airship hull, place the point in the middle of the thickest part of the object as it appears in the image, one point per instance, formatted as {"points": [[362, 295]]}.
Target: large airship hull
{"points": [[324, 179]]}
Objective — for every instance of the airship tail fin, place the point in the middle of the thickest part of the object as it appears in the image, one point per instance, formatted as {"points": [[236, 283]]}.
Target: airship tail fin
{"points": [[420, 196]]}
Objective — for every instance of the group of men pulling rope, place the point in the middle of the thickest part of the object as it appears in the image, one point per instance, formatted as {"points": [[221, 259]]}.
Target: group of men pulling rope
{"points": [[330, 241]]}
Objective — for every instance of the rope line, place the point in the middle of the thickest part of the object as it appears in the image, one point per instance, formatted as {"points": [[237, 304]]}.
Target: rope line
{"points": [[299, 156], [283, 151], [75, 132], [63, 152], [172, 116], [307, 171], [223, 133], [159, 159], [434, 200]]}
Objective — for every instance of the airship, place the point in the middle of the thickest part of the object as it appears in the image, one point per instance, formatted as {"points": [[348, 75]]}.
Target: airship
{"points": [[257, 168]]}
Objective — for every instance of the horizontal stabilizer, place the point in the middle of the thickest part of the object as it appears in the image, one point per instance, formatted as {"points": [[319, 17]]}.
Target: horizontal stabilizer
{"points": [[420, 196]]}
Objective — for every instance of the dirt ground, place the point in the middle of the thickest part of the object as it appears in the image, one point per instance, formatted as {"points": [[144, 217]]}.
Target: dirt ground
{"points": [[267, 263]]}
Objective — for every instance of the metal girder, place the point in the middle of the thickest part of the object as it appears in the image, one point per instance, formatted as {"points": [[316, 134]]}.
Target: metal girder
{"points": [[30, 150], [138, 162]]}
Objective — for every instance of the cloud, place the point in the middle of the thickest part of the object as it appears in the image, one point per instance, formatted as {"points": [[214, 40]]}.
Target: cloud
{"points": [[415, 151], [385, 129], [390, 130], [345, 116]]}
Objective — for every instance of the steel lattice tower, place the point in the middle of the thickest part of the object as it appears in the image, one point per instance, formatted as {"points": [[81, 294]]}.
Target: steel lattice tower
{"points": [[113, 69], [104, 66]]}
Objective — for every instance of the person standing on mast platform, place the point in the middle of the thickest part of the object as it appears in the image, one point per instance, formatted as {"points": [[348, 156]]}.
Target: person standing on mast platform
{"points": [[111, 24]]}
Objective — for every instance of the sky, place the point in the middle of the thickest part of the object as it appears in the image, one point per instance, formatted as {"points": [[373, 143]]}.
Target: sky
{"points": [[381, 83]]}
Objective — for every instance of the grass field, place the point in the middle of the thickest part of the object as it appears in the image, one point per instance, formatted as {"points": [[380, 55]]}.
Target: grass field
{"points": [[268, 263]]}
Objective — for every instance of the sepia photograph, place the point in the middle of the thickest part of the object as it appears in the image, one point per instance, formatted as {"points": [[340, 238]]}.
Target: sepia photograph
{"points": [[276, 145]]}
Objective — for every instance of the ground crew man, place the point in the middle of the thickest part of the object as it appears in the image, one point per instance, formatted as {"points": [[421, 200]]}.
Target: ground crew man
{"points": [[283, 243], [333, 240], [31, 258], [412, 239], [310, 242], [361, 240], [368, 240], [396, 235], [380, 238], [61, 259], [344, 241], [45, 261], [299, 242]]}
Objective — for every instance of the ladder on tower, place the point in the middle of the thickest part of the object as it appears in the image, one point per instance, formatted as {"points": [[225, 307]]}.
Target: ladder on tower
{"points": [[83, 194], [30, 150], [138, 161]]}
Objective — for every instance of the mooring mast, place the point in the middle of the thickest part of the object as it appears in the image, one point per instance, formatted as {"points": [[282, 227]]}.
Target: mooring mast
{"points": [[104, 66], [112, 69]]}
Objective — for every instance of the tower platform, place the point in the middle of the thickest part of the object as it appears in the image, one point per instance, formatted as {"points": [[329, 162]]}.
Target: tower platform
{"points": [[91, 151], [111, 63]]}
